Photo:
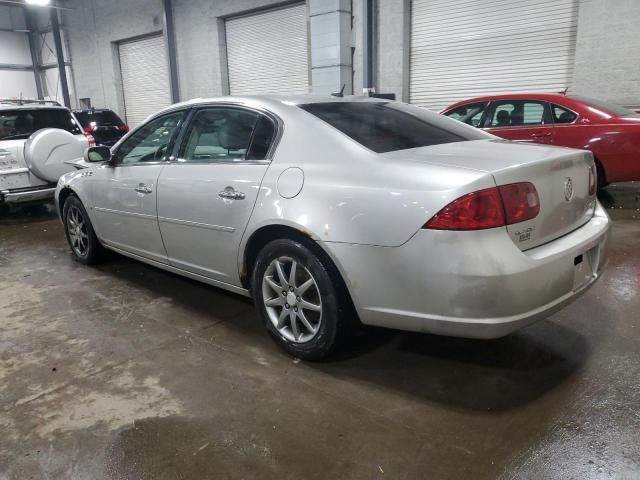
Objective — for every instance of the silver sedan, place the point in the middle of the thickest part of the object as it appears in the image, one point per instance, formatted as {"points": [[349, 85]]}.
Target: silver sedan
{"points": [[333, 211]]}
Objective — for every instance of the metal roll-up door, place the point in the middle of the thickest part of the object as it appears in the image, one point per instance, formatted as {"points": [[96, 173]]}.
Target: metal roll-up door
{"points": [[469, 48], [267, 52], [145, 78]]}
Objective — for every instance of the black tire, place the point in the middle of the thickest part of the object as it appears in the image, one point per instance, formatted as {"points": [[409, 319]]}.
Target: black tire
{"points": [[334, 318], [602, 177], [88, 249]]}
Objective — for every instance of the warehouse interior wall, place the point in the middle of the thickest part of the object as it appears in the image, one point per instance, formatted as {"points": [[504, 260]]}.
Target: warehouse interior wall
{"points": [[607, 56], [15, 52], [603, 66]]}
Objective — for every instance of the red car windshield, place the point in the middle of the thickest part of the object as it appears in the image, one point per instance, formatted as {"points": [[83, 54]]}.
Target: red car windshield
{"points": [[602, 105]]}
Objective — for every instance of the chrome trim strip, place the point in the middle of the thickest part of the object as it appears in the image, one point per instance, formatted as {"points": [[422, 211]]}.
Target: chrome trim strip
{"points": [[127, 214], [187, 223], [42, 194], [14, 171]]}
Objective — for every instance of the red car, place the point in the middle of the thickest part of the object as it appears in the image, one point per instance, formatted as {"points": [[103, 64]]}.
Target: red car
{"points": [[609, 131]]}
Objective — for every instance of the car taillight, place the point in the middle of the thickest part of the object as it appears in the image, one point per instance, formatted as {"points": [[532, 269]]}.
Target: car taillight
{"points": [[123, 128], [474, 211], [489, 208], [520, 201], [593, 180], [87, 130], [90, 139]]}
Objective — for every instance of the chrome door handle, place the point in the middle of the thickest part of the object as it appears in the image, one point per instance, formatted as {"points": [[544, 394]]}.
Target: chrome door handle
{"points": [[545, 134], [142, 188], [231, 194]]}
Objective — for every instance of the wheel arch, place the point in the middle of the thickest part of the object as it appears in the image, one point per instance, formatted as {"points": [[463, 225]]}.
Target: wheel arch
{"points": [[64, 194], [263, 235]]}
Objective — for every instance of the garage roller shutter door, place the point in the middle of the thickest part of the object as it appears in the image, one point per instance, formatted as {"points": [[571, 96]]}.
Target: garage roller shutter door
{"points": [[267, 52], [145, 78], [469, 48]]}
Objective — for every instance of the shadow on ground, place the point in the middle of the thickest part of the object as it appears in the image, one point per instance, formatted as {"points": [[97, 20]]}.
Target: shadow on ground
{"points": [[30, 213]]}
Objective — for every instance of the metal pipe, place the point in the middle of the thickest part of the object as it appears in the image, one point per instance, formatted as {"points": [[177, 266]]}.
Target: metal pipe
{"points": [[35, 54], [62, 71], [170, 42], [368, 47]]}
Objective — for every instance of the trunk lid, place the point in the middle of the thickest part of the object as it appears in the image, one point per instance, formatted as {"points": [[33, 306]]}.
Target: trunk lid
{"points": [[560, 175]]}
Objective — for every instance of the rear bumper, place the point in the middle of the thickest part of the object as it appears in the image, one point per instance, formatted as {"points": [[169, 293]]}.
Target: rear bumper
{"points": [[470, 284], [39, 194]]}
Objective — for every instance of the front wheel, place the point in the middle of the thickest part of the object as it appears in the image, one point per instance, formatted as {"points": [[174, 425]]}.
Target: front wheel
{"points": [[297, 297], [82, 239]]}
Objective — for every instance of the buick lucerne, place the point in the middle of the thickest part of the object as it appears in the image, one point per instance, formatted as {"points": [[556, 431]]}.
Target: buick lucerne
{"points": [[328, 211]]}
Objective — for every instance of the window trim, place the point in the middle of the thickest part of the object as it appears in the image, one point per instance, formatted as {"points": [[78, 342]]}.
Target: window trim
{"points": [[174, 159], [548, 115], [551, 105], [170, 147], [483, 117]]}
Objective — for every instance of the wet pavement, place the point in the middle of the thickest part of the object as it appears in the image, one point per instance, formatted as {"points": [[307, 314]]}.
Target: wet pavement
{"points": [[123, 371]]}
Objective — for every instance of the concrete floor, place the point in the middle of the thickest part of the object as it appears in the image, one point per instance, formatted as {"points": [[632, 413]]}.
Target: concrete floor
{"points": [[127, 372]]}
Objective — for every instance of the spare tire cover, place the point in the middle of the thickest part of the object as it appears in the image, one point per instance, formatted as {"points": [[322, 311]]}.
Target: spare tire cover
{"points": [[47, 150]]}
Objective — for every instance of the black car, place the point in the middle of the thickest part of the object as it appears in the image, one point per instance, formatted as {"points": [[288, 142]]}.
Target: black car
{"points": [[104, 125]]}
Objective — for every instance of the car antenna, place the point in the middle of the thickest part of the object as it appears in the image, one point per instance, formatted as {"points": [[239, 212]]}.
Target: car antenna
{"points": [[340, 93], [564, 92]]}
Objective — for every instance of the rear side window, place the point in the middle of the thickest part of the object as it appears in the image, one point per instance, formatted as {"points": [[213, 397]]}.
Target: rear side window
{"points": [[562, 115], [219, 134], [21, 123], [517, 113], [385, 127], [471, 114], [98, 118]]}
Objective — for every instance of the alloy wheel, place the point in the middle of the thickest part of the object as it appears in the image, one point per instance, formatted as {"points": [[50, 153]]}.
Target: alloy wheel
{"points": [[292, 299], [77, 228]]}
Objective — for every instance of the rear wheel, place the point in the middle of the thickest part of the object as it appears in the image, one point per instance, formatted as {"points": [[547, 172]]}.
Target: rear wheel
{"points": [[297, 297], [82, 239], [602, 177]]}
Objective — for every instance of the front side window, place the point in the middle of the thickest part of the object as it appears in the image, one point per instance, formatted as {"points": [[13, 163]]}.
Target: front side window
{"points": [[517, 113], [149, 143], [386, 126], [562, 115], [21, 123], [226, 133], [471, 114]]}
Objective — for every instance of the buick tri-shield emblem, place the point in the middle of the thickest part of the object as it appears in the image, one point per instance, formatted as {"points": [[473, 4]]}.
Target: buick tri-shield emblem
{"points": [[568, 189]]}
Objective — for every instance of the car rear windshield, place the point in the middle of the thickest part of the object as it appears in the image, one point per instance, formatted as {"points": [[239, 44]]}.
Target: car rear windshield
{"points": [[21, 123], [606, 106], [101, 117], [386, 127]]}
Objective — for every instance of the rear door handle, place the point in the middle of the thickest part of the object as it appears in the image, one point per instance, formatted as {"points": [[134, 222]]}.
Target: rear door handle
{"points": [[541, 134], [142, 188], [231, 194]]}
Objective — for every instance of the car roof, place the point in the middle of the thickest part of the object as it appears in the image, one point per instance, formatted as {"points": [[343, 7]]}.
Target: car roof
{"points": [[31, 106], [548, 97], [274, 101], [93, 110]]}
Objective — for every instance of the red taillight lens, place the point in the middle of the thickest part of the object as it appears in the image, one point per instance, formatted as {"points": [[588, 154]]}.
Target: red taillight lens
{"points": [[489, 208], [474, 211], [520, 201], [87, 130], [123, 128], [90, 139], [593, 180]]}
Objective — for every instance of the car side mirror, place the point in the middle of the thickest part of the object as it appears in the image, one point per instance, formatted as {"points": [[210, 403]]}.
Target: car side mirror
{"points": [[98, 154]]}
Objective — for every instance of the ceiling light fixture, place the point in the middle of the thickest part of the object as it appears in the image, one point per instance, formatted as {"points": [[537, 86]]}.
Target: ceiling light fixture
{"points": [[38, 3]]}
